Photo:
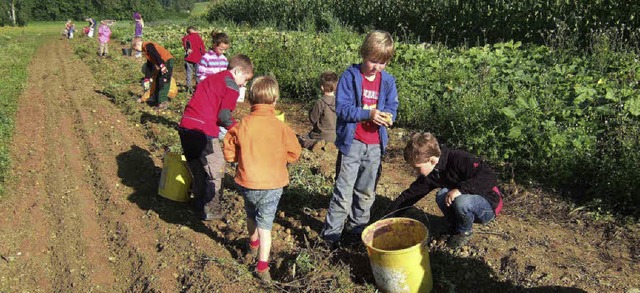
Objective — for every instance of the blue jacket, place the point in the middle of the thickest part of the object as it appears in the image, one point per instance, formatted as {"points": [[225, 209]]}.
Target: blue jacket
{"points": [[349, 106]]}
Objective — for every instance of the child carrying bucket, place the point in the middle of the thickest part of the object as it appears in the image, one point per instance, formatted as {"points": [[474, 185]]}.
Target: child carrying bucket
{"points": [[262, 146], [468, 186]]}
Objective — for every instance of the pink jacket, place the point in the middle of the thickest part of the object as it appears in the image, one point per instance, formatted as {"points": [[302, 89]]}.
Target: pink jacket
{"points": [[104, 34]]}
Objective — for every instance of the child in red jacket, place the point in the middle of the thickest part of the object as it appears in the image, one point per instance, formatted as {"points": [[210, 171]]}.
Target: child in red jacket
{"points": [[194, 49]]}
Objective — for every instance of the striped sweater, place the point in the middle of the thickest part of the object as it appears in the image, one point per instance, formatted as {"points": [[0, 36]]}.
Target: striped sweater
{"points": [[211, 63]]}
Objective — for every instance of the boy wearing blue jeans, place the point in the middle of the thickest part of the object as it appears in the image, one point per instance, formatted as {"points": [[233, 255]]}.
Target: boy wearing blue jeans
{"points": [[262, 146], [366, 104], [468, 186]]}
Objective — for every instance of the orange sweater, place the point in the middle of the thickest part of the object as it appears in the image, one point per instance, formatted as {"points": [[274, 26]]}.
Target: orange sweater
{"points": [[262, 145]]}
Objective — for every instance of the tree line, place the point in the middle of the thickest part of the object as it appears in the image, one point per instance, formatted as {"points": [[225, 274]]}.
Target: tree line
{"points": [[19, 12]]}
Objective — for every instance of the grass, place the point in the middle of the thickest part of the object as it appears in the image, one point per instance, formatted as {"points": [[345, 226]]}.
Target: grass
{"points": [[200, 9], [18, 45]]}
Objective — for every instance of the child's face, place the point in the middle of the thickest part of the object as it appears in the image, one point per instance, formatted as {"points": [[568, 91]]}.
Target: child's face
{"points": [[371, 68], [222, 48], [241, 77], [137, 46], [426, 168]]}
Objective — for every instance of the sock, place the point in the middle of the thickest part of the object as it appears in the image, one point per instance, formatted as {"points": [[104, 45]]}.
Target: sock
{"points": [[262, 266], [254, 244]]}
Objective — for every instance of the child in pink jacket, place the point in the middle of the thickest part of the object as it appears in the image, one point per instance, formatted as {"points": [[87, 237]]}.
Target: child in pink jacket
{"points": [[104, 34]]}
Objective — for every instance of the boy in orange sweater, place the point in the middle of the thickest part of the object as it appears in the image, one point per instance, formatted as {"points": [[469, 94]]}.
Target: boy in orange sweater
{"points": [[262, 146]]}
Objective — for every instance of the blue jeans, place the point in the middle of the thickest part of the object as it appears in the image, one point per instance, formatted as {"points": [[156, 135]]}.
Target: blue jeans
{"points": [[261, 205], [354, 190], [465, 210], [192, 69]]}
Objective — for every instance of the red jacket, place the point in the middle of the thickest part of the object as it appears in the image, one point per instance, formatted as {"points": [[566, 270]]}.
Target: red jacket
{"points": [[194, 42], [211, 105]]}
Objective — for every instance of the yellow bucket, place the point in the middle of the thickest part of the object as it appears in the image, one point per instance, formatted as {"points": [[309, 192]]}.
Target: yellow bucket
{"points": [[280, 115], [175, 179], [398, 255]]}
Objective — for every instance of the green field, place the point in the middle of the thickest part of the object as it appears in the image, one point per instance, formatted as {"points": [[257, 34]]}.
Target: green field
{"points": [[17, 46]]}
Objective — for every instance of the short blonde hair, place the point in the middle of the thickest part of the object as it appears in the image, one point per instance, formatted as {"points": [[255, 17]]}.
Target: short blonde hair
{"points": [[264, 90], [377, 46], [420, 148]]}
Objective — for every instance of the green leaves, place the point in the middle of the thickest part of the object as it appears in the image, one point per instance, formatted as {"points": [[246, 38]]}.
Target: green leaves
{"points": [[633, 106]]}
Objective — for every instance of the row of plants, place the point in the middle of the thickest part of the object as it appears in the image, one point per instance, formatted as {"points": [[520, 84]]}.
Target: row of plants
{"points": [[568, 121], [18, 45], [450, 21]]}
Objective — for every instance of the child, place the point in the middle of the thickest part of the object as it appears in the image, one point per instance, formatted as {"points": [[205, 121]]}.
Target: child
{"points": [[323, 114], [92, 26], [137, 17], [468, 193], [262, 145], [194, 49], [214, 61], [160, 59], [210, 107], [366, 103], [104, 35], [71, 28]]}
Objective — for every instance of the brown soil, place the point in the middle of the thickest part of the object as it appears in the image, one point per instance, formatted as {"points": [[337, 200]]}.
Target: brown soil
{"points": [[82, 215]]}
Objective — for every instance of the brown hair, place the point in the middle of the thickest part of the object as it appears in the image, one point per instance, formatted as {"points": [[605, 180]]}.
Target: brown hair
{"points": [[377, 46], [420, 148], [328, 81], [241, 61], [264, 90], [219, 38], [191, 28]]}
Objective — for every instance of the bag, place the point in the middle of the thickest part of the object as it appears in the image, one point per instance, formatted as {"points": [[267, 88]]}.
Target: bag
{"points": [[173, 90]]}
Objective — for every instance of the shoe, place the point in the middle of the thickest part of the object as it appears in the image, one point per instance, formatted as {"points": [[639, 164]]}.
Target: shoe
{"points": [[162, 106], [251, 254], [351, 239], [459, 240], [211, 216], [264, 276]]}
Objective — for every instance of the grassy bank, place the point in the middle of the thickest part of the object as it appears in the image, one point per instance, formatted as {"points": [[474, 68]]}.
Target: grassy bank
{"points": [[17, 44]]}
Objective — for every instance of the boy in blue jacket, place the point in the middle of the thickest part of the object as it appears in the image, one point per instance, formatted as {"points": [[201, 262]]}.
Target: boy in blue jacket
{"points": [[366, 104]]}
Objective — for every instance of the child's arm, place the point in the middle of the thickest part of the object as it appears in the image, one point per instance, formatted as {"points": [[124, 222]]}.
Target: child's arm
{"points": [[151, 50], [227, 106], [230, 145], [315, 113], [347, 108], [416, 191], [292, 145], [392, 102], [201, 74]]}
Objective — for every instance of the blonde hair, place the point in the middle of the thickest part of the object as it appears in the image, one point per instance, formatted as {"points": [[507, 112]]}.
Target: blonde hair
{"points": [[420, 148], [264, 90], [377, 46]]}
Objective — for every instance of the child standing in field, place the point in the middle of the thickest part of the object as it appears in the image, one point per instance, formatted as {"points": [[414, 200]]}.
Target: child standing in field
{"points": [[92, 26], [161, 61], [214, 61], [194, 49], [137, 18], [323, 114], [209, 108], [262, 145], [366, 104], [468, 193], [104, 35]]}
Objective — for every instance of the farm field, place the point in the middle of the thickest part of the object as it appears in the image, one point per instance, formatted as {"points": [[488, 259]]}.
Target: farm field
{"points": [[81, 214]]}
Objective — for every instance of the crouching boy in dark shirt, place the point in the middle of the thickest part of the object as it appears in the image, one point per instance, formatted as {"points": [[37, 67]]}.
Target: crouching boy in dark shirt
{"points": [[468, 186]]}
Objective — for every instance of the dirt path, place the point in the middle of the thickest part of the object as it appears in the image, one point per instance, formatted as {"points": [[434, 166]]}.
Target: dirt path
{"points": [[82, 214], [78, 215]]}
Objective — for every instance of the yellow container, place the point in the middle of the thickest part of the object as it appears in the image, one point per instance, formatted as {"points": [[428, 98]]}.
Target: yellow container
{"points": [[175, 179], [280, 115], [399, 255]]}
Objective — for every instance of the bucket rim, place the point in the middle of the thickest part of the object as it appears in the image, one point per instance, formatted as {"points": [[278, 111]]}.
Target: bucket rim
{"points": [[373, 225]]}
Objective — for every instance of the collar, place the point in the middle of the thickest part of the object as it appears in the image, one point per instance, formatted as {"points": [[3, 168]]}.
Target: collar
{"points": [[263, 110]]}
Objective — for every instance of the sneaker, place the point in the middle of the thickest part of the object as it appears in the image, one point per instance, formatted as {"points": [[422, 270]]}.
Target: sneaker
{"points": [[251, 254], [459, 240], [162, 106], [264, 276]]}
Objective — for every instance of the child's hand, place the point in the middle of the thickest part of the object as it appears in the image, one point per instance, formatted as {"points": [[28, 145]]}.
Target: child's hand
{"points": [[379, 118], [451, 196], [146, 84], [163, 69]]}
